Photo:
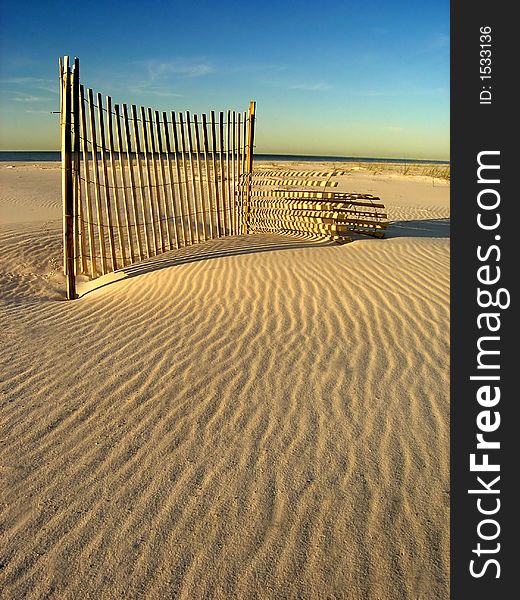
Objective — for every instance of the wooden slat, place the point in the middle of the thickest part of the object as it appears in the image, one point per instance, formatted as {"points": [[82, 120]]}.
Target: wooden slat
{"points": [[209, 185], [179, 188], [79, 224], [249, 159], [294, 182], [245, 186], [183, 181], [158, 189], [168, 207], [75, 179], [97, 191], [188, 209], [119, 224], [233, 172], [150, 184], [329, 214], [216, 190], [142, 248], [266, 196], [88, 194], [239, 187], [105, 184], [223, 186], [194, 208], [228, 174], [202, 202], [144, 217], [263, 172], [244, 143], [124, 188], [174, 191], [237, 170]]}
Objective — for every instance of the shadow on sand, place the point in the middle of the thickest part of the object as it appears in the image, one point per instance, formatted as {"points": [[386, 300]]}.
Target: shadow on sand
{"points": [[219, 248], [429, 228], [235, 246], [210, 249]]}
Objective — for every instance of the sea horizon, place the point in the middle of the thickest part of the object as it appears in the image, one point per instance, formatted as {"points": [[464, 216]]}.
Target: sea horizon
{"points": [[55, 155]]}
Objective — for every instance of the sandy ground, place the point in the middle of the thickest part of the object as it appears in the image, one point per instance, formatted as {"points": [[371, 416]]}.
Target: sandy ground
{"points": [[260, 417]]}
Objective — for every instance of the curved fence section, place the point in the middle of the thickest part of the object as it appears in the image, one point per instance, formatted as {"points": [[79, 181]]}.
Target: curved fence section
{"points": [[139, 182]]}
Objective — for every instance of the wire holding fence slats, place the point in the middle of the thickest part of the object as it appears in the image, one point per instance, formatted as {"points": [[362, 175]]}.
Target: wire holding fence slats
{"points": [[144, 182]]}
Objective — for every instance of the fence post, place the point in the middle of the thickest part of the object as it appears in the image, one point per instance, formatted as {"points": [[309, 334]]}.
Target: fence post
{"points": [[66, 180], [249, 163]]}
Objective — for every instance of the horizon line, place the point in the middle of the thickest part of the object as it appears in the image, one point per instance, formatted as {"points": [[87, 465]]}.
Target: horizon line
{"points": [[396, 158]]}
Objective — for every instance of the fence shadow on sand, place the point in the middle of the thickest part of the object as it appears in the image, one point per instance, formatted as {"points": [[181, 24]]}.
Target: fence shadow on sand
{"points": [[427, 228], [211, 249], [252, 244]]}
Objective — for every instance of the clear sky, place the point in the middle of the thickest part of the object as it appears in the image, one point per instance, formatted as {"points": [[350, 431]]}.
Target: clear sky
{"points": [[363, 78]]}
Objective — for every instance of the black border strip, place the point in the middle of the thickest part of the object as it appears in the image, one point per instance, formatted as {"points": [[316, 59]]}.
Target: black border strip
{"points": [[477, 128]]}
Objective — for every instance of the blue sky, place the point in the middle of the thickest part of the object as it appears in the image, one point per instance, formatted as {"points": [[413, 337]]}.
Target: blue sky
{"points": [[330, 78]]}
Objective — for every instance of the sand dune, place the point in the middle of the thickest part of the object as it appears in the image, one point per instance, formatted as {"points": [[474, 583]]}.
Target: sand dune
{"points": [[260, 417]]}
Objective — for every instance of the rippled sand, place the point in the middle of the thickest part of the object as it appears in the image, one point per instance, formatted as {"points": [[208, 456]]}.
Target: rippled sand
{"points": [[261, 417]]}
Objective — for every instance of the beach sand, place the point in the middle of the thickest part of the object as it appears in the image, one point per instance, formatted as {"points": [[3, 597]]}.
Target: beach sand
{"points": [[258, 417]]}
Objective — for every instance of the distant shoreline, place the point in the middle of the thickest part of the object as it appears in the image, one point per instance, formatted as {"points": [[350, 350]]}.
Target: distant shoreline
{"points": [[54, 155]]}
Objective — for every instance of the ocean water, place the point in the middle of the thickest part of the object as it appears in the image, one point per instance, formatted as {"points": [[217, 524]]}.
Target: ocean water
{"points": [[52, 155]]}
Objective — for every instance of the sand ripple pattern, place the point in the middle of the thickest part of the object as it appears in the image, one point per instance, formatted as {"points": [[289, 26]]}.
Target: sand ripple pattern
{"points": [[21, 200], [265, 419]]}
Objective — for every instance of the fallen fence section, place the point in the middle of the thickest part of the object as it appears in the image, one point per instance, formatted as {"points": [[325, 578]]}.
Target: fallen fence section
{"points": [[303, 202]]}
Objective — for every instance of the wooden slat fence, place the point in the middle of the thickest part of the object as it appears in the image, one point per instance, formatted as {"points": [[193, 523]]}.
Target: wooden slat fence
{"points": [[137, 183]]}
